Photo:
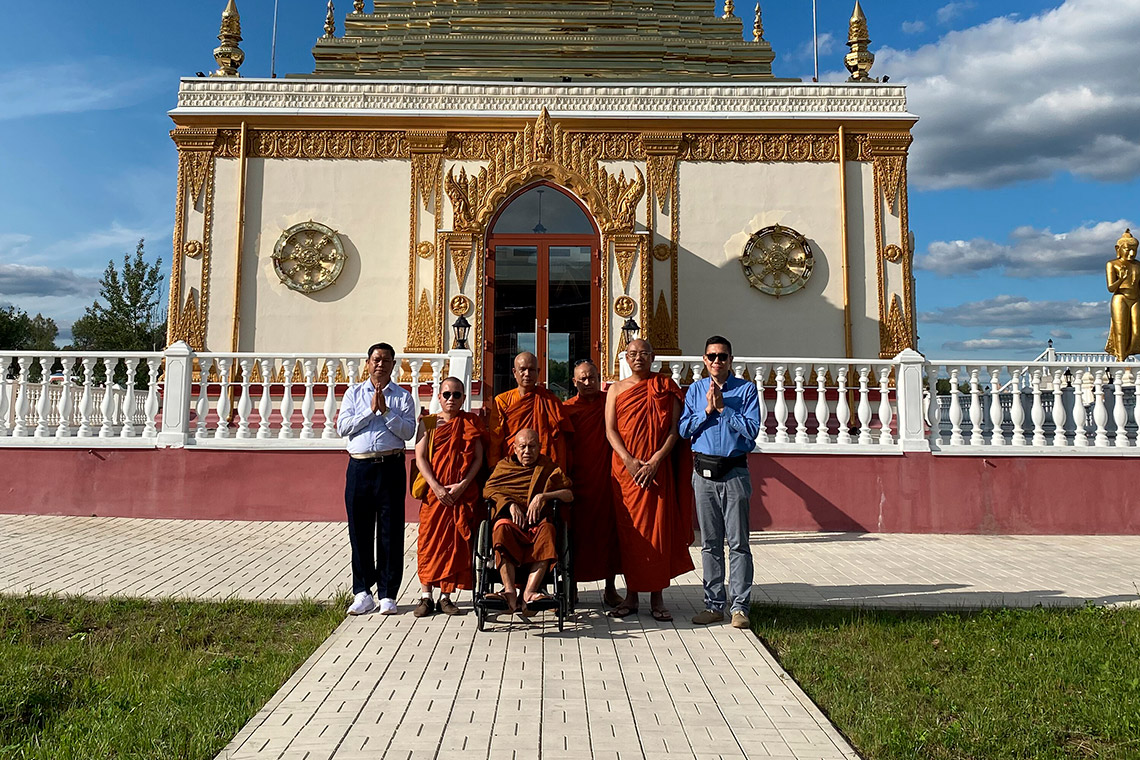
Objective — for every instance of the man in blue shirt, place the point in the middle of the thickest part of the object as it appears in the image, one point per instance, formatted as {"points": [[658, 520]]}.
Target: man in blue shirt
{"points": [[377, 417], [722, 418]]}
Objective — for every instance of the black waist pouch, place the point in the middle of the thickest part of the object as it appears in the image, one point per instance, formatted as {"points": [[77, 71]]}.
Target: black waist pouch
{"points": [[712, 467]]}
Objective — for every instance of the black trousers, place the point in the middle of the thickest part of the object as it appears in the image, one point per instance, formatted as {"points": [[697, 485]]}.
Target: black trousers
{"points": [[374, 500]]}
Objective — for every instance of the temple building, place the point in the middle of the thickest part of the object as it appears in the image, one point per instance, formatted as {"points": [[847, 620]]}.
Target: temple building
{"points": [[547, 173]]}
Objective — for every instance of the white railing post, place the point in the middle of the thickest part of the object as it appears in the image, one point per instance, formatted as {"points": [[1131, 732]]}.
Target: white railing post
{"points": [[955, 409], [245, 400], [759, 377], [822, 410], [128, 430], [1119, 413], [799, 409], [4, 398], [1080, 415], [781, 408], [107, 404], [175, 394], [460, 363], [1059, 437], [265, 403], [842, 408], [329, 408], [20, 412], [864, 409], [43, 404], [976, 437], [997, 438], [911, 366], [886, 414], [1100, 413]]}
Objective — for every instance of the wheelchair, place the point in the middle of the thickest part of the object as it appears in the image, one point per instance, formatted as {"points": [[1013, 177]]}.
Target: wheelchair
{"points": [[486, 575]]}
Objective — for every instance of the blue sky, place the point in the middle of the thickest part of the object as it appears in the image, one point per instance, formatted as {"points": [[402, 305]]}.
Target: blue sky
{"points": [[1024, 170]]}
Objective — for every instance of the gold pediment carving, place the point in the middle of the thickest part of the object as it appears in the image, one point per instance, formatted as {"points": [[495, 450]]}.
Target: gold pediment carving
{"points": [[542, 150]]}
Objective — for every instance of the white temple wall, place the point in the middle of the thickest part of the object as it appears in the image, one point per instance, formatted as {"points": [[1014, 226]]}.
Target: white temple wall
{"points": [[367, 203], [722, 204]]}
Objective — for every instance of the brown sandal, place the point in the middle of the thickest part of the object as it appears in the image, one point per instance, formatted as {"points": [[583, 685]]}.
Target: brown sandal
{"points": [[622, 611]]}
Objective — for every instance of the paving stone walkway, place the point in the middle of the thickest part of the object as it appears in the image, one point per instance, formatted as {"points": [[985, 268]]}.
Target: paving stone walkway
{"points": [[401, 687]]}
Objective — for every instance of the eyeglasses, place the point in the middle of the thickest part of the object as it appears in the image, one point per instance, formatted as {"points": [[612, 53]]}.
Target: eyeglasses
{"points": [[448, 395], [717, 357], [635, 354]]}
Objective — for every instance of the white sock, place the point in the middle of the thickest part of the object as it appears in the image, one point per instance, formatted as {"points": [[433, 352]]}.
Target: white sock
{"points": [[443, 596], [425, 595]]}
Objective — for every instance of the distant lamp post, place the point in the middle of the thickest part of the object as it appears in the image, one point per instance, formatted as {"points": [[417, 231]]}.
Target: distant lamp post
{"points": [[630, 330], [461, 328]]}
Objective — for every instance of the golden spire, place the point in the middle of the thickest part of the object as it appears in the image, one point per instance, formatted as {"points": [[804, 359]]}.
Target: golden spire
{"points": [[358, 6], [330, 22], [758, 26], [228, 55], [860, 59], [728, 9]]}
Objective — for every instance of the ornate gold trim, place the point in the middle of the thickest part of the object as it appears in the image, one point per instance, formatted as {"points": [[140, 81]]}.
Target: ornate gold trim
{"points": [[421, 333], [425, 250], [895, 333], [889, 154], [460, 306], [543, 150], [625, 254], [625, 306], [360, 144]]}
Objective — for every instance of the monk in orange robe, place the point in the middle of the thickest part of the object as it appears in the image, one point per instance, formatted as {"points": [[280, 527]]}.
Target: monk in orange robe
{"points": [[522, 487], [653, 533], [448, 456], [532, 407], [593, 530]]}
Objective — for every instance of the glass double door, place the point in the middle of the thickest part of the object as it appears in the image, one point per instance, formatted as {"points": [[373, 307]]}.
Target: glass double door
{"points": [[542, 301]]}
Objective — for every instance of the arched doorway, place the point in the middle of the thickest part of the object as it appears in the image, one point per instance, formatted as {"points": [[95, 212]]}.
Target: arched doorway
{"points": [[542, 269]]}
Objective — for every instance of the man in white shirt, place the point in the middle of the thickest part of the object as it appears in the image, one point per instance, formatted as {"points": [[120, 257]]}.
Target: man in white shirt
{"points": [[376, 417]]}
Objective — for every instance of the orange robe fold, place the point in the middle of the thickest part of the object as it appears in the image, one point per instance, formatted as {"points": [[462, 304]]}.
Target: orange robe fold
{"points": [[443, 553], [540, 411], [512, 483], [653, 530], [593, 530]]}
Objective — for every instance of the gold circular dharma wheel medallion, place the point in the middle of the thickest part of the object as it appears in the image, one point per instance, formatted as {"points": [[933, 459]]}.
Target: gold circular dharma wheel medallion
{"points": [[460, 306], [308, 257], [777, 260], [624, 306]]}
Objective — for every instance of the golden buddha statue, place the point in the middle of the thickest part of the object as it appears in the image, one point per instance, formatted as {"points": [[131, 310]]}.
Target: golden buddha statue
{"points": [[1123, 275]]}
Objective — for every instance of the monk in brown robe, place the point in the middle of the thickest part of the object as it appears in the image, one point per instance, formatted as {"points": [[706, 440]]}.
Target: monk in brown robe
{"points": [[448, 455], [524, 535], [528, 406], [653, 533], [593, 531]]}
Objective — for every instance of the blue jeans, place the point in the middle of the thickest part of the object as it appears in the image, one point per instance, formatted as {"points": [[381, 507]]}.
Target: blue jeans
{"points": [[722, 510]]}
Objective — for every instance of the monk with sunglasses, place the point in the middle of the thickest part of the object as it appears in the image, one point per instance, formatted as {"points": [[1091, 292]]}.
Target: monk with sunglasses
{"points": [[449, 455]]}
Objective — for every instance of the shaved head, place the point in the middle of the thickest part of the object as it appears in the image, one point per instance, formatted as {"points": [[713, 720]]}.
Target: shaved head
{"points": [[526, 371]]}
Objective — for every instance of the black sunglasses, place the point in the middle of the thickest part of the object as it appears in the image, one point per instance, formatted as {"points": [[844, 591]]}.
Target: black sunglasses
{"points": [[447, 395], [722, 358]]}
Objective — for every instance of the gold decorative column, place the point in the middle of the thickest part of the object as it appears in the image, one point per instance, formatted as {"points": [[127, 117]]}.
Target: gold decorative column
{"points": [[659, 302], [190, 290], [894, 259], [425, 261]]}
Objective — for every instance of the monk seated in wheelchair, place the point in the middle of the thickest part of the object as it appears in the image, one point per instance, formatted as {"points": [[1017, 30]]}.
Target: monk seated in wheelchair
{"points": [[522, 488]]}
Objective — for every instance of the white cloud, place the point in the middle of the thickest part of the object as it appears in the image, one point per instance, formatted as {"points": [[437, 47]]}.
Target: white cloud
{"points": [[1030, 252], [1061, 334], [994, 344], [1009, 332], [97, 84], [913, 27], [1019, 311], [805, 52], [12, 243], [118, 237], [947, 13], [1017, 99]]}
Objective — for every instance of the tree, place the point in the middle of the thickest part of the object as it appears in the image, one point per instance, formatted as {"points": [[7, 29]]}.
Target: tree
{"points": [[127, 319], [19, 332]]}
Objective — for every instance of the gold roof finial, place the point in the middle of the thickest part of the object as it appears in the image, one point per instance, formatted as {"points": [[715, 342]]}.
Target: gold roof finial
{"points": [[358, 6], [228, 55], [758, 26], [860, 59], [728, 9], [330, 22]]}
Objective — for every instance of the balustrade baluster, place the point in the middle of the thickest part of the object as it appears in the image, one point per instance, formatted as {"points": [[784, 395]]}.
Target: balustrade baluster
{"points": [[85, 402], [800, 411], [842, 409], [223, 406], [976, 437], [245, 401], [129, 430], [1038, 412], [287, 368], [781, 408], [864, 410], [436, 379], [154, 366], [822, 410], [1080, 415], [329, 430], [107, 404], [760, 374], [1135, 401], [1017, 410], [675, 370], [997, 437], [265, 403], [42, 404], [64, 429], [886, 412], [415, 389], [20, 423], [1119, 413], [1100, 412], [955, 409], [308, 404], [935, 407], [5, 430], [1059, 437], [202, 408]]}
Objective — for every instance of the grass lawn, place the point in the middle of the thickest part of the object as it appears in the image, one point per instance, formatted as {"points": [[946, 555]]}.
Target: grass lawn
{"points": [[1037, 683], [139, 679]]}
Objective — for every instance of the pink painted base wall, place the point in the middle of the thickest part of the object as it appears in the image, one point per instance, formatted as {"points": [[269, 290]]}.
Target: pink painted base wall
{"points": [[915, 493]]}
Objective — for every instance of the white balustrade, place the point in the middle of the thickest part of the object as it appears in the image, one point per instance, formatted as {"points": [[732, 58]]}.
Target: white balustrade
{"points": [[822, 410], [42, 405], [800, 410], [329, 429], [886, 412], [843, 409], [864, 408], [781, 408], [265, 403], [5, 430], [1119, 413], [976, 438]]}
